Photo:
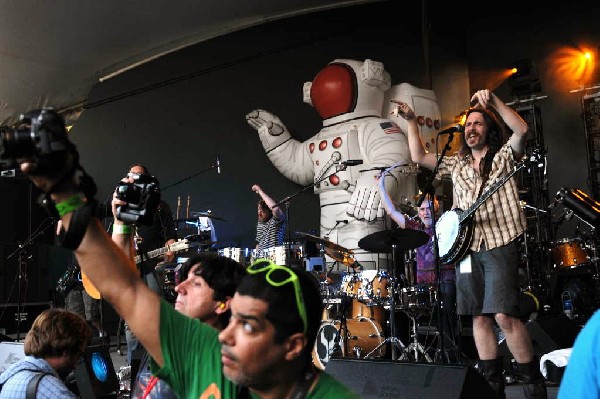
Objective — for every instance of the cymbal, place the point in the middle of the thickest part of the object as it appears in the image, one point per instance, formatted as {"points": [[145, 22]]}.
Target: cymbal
{"points": [[326, 243], [382, 241], [199, 214], [335, 251]]}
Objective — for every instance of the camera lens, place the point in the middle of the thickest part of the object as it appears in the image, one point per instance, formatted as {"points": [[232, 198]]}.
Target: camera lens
{"points": [[16, 143]]}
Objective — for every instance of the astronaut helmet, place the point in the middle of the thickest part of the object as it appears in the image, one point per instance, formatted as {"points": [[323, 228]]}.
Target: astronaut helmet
{"points": [[347, 89]]}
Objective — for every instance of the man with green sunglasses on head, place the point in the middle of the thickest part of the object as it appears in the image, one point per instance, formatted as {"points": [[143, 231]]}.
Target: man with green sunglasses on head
{"points": [[264, 352]]}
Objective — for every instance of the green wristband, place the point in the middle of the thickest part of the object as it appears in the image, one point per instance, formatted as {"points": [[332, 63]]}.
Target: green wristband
{"points": [[122, 229], [70, 204]]}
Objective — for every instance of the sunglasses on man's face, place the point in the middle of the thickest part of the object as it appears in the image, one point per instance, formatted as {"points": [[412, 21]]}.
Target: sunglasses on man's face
{"points": [[278, 276]]}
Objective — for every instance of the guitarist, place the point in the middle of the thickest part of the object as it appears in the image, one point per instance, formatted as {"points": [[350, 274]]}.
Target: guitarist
{"points": [[160, 233], [487, 278]]}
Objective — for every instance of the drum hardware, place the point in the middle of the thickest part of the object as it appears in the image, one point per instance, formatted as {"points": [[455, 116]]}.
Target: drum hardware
{"points": [[383, 241], [393, 340], [415, 350], [335, 251], [584, 207]]}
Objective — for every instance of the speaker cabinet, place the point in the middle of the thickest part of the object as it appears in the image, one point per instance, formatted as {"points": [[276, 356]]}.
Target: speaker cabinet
{"points": [[385, 379], [95, 374]]}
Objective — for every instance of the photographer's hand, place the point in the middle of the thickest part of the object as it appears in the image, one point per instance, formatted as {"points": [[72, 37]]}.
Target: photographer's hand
{"points": [[46, 182]]}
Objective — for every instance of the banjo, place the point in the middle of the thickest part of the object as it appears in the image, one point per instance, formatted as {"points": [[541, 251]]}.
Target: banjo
{"points": [[454, 229]]}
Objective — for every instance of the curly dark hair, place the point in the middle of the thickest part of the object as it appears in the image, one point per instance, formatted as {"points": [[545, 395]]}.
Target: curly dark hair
{"points": [[495, 138]]}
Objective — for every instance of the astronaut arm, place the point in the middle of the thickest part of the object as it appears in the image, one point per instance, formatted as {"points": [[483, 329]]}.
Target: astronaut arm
{"points": [[387, 203], [288, 155]]}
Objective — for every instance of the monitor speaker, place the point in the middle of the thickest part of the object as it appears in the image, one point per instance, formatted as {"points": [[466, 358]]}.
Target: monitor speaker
{"points": [[386, 379], [95, 374]]}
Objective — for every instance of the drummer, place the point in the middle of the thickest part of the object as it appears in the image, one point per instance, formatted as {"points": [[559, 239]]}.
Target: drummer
{"points": [[270, 228], [425, 257]]}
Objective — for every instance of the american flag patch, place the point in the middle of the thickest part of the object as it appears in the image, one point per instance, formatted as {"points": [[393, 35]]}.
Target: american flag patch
{"points": [[390, 127]]}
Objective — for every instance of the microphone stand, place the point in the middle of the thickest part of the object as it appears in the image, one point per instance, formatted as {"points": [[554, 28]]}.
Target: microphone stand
{"points": [[22, 270], [429, 189], [287, 199], [213, 166]]}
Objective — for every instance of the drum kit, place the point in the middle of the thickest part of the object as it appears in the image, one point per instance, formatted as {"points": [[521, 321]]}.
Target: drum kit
{"points": [[359, 317]]}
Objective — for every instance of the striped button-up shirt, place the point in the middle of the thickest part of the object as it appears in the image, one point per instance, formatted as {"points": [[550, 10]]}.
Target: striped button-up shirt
{"points": [[498, 220]]}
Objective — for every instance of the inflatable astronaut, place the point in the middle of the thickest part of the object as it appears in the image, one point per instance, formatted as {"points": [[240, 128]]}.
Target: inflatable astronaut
{"points": [[349, 96]]}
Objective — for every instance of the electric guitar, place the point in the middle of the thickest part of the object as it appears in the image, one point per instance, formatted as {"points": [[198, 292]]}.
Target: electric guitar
{"points": [[454, 229], [177, 246]]}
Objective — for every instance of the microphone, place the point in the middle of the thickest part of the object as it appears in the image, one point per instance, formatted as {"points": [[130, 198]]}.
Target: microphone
{"points": [[350, 162], [218, 164], [452, 129], [342, 221]]}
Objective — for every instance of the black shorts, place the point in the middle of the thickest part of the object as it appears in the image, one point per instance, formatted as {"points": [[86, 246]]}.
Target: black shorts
{"points": [[492, 286]]}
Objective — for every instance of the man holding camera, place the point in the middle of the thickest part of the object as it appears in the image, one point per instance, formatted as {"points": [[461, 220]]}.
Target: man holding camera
{"points": [[148, 237]]}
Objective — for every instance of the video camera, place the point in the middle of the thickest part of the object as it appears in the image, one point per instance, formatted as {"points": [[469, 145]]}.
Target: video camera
{"points": [[142, 197]]}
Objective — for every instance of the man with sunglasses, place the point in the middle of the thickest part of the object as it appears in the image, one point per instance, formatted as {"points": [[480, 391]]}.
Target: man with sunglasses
{"points": [[267, 344]]}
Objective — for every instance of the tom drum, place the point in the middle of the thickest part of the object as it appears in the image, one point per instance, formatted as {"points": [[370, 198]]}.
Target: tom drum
{"points": [[568, 253]]}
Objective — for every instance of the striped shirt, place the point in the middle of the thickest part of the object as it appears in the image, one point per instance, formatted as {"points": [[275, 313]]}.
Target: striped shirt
{"points": [[500, 219], [271, 233]]}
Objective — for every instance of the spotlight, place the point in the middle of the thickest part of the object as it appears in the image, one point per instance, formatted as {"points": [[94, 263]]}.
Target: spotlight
{"points": [[524, 80]]}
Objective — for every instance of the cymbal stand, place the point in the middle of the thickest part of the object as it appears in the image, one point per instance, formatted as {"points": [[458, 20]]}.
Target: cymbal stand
{"points": [[415, 346], [393, 340]]}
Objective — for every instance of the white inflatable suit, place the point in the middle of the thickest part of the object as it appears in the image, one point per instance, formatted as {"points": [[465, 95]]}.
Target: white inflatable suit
{"points": [[349, 96]]}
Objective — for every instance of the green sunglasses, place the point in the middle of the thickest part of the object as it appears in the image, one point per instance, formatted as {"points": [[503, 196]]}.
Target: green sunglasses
{"points": [[265, 265]]}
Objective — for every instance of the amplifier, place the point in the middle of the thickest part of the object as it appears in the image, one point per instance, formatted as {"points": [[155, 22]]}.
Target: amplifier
{"points": [[10, 315]]}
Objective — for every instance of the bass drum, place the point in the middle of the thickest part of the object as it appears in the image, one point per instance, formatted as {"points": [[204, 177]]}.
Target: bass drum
{"points": [[363, 336]]}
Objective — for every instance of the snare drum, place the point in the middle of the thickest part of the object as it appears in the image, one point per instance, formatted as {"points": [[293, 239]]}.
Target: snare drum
{"points": [[568, 253], [362, 336], [419, 298]]}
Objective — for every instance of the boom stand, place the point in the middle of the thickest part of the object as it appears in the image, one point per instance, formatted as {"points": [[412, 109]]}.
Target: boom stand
{"points": [[287, 200]]}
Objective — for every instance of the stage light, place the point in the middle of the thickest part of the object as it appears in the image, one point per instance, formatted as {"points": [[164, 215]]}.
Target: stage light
{"points": [[524, 79], [574, 66]]}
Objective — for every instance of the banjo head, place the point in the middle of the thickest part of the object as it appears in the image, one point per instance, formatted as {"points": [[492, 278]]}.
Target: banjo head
{"points": [[447, 230]]}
